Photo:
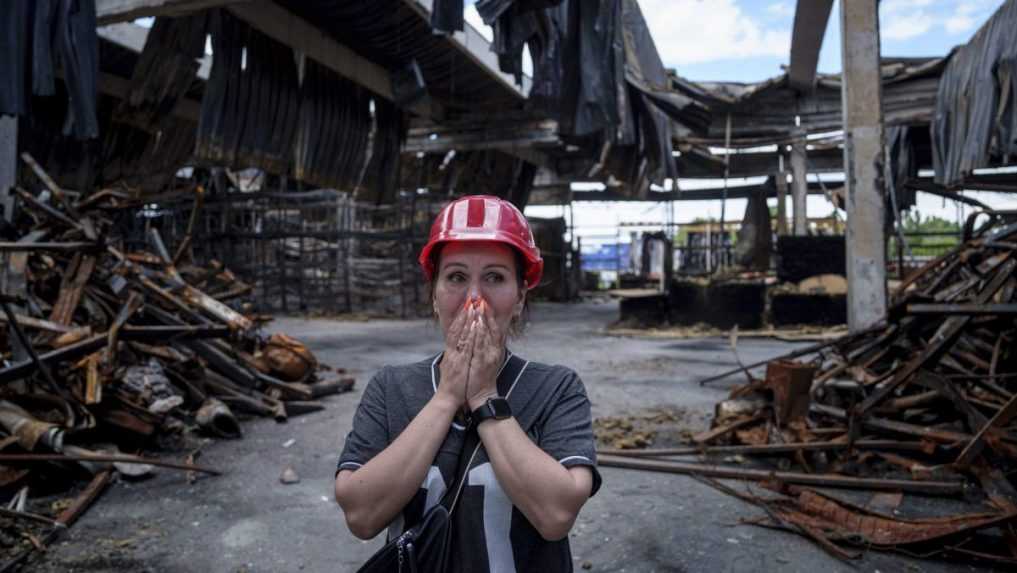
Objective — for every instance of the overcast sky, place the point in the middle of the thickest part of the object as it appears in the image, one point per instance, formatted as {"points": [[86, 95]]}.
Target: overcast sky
{"points": [[748, 41]]}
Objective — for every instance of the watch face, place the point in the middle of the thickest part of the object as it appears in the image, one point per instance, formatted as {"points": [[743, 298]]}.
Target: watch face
{"points": [[500, 408]]}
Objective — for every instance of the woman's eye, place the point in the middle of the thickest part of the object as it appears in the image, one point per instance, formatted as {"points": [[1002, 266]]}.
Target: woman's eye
{"points": [[457, 278], [495, 277]]}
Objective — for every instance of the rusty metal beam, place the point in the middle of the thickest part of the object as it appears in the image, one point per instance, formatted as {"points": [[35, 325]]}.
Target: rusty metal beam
{"points": [[72, 246], [881, 425], [1002, 417], [768, 449], [105, 458], [821, 480], [963, 309]]}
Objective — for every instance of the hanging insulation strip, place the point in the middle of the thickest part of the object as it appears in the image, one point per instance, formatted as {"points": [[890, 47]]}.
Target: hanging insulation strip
{"points": [[251, 101]]}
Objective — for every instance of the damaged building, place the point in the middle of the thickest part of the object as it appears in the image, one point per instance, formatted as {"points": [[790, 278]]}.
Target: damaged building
{"points": [[212, 212]]}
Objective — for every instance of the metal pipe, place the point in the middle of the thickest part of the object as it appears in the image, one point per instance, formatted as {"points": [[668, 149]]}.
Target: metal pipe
{"points": [[822, 480]]}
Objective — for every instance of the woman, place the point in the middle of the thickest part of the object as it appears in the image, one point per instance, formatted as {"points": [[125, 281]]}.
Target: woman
{"points": [[536, 467]]}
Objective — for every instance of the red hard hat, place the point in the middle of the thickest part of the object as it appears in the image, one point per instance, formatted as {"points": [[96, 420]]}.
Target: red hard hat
{"points": [[484, 218]]}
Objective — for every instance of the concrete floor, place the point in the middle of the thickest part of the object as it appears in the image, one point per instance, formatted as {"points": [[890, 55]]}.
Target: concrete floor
{"points": [[247, 521]]}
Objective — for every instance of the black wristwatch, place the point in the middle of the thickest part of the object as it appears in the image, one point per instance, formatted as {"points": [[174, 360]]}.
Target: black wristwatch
{"points": [[493, 409]]}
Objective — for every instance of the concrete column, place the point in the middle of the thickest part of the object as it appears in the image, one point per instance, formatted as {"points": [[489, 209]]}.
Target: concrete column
{"points": [[12, 276], [799, 184], [781, 203], [8, 162], [863, 151]]}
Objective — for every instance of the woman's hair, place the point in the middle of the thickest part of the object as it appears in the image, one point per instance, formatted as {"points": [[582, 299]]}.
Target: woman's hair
{"points": [[518, 324]]}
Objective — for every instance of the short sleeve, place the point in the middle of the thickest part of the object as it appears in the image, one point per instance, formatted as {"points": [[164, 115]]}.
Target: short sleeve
{"points": [[369, 435], [567, 433]]}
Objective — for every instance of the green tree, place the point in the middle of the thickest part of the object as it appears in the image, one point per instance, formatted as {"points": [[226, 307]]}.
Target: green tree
{"points": [[928, 236]]}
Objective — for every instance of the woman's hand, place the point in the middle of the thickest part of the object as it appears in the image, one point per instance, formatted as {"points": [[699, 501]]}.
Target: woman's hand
{"points": [[455, 364], [488, 356]]}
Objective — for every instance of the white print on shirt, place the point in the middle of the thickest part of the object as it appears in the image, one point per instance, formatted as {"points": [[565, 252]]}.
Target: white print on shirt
{"points": [[497, 520], [435, 486], [497, 514]]}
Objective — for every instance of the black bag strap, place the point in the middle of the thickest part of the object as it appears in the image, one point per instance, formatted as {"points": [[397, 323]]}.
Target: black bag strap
{"points": [[513, 370]]}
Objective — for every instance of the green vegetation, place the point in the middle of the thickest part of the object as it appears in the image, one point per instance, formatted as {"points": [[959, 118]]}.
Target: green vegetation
{"points": [[927, 236]]}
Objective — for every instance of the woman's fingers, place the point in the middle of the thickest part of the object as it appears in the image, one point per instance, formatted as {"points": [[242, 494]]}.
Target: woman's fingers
{"points": [[488, 341], [497, 335], [464, 343], [455, 329], [471, 339], [469, 354]]}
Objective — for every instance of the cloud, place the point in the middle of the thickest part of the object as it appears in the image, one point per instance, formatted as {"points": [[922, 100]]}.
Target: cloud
{"points": [[904, 28], [781, 9], [966, 17], [903, 5], [700, 31], [906, 19], [959, 23]]}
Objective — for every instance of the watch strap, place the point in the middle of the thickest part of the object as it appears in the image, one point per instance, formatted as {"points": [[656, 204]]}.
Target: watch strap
{"points": [[494, 409]]}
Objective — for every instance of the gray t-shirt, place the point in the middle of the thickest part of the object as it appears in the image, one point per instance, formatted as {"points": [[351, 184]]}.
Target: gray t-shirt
{"points": [[491, 534]]}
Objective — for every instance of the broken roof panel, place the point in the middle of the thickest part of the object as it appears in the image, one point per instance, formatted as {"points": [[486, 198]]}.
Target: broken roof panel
{"points": [[764, 112], [393, 33], [976, 114]]}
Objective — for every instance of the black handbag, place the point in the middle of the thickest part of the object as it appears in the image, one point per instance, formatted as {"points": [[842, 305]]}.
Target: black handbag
{"points": [[426, 547]]}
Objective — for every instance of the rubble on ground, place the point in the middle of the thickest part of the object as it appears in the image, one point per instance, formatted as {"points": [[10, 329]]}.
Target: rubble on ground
{"points": [[900, 437], [112, 349]]}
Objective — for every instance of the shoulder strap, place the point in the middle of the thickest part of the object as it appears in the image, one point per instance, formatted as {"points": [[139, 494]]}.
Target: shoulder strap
{"points": [[471, 443]]}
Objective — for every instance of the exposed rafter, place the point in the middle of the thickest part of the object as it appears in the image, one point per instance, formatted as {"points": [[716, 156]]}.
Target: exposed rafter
{"points": [[476, 47], [811, 17], [287, 28], [113, 11]]}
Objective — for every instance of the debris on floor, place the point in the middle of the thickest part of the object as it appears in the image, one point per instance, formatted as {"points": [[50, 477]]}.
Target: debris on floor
{"points": [[657, 426], [917, 413], [289, 476], [796, 333], [110, 347]]}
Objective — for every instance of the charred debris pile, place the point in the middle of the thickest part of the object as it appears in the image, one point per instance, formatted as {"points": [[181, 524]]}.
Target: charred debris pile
{"points": [[901, 437], [112, 349]]}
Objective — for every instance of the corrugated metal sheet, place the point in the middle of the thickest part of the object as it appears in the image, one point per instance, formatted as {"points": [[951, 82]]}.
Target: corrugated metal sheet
{"points": [[124, 153], [767, 110], [976, 115], [598, 73], [251, 101]]}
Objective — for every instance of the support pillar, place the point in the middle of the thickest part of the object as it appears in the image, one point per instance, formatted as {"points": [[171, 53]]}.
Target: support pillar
{"points": [[781, 202], [8, 163], [12, 270], [863, 152], [799, 184]]}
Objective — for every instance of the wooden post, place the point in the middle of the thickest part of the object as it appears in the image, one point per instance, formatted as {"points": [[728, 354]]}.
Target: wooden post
{"points": [[863, 153]]}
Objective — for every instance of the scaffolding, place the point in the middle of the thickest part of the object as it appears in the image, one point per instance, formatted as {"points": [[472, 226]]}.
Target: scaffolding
{"points": [[307, 252]]}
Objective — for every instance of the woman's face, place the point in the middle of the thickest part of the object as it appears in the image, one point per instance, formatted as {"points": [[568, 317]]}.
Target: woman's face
{"points": [[478, 269]]}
